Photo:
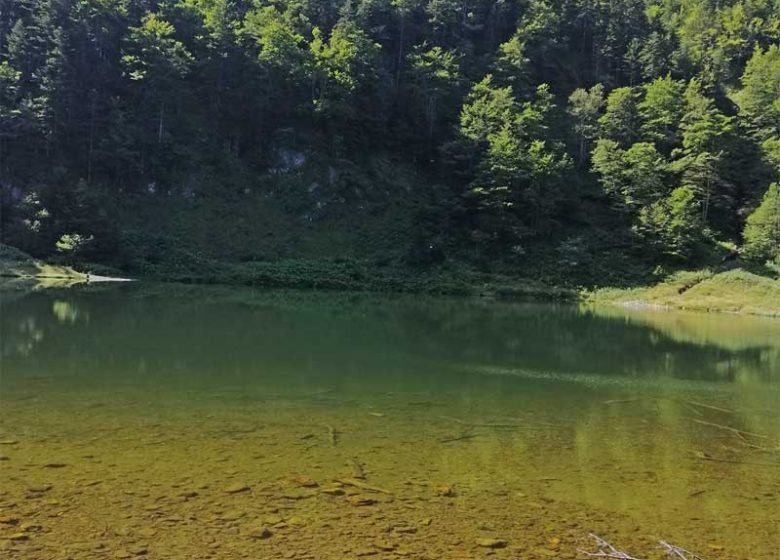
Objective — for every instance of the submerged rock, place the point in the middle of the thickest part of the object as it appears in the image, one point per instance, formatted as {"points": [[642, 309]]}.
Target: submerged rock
{"points": [[444, 490], [236, 488], [19, 537], [257, 530], [488, 542], [359, 500], [305, 481]]}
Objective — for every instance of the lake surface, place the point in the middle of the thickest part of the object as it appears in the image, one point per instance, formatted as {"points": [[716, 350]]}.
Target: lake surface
{"points": [[182, 422]]}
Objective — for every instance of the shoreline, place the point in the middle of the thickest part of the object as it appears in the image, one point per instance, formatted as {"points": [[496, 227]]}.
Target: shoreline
{"points": [[735, 291]]}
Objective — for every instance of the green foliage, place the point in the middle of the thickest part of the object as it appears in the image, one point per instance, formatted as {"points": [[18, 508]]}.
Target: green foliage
{"points": [[635, 177], [259, 125], [760, 96], [281, 47], [340, 66], [661, 110], [520, 170], [762, 230], [620, 121], [675, 222], [435, 78], [72, 243], [584, 108]]}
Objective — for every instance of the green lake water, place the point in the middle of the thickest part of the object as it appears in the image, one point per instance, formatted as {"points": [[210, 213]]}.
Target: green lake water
{"points": [[187, 422]]}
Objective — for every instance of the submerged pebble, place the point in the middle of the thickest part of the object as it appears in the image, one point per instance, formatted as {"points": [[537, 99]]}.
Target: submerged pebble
{"points": [[236, 488], [257, 530], [487, 542]]}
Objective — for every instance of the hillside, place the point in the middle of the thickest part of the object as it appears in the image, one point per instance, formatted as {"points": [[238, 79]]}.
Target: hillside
{"points": [[572, 143]]}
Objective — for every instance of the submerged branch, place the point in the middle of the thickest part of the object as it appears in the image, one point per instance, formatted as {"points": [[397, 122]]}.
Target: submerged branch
{"points": [[606, 550], [479, 424], [678, 552], [729, 429]]}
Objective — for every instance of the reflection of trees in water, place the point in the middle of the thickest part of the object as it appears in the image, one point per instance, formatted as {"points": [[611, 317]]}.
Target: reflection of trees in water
{"points": [[65, 311], [26, 321], [21, 335], [569, 340], [232, 328]]}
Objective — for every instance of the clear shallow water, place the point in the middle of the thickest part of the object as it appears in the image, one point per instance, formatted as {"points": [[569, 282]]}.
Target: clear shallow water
{"points": [[130, 414]]}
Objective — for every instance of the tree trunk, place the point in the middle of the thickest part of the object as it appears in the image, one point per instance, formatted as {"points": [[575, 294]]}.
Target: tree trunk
{"points": [[160, 127]]}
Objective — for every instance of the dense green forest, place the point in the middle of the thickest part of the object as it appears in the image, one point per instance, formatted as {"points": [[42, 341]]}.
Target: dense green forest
{"points": [[594, 140]]}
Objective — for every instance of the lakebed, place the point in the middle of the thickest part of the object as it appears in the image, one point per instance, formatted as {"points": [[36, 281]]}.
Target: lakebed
{"points": [[193, 422]]}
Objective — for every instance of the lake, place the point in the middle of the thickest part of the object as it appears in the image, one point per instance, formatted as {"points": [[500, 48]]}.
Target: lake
{"points": [[192, 422]]}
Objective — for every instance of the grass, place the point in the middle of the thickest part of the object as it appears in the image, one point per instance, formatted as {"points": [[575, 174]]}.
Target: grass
{"points": [[17, 264], [361, 275], [733, 291]]}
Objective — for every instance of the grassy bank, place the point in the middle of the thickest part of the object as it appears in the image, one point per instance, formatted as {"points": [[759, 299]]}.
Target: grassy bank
{"points": [[315, 274], [734, 291], [354, 275], [18, 266]]}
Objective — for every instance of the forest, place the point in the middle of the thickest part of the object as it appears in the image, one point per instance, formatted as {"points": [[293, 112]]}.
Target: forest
{"points": [[586, 140]]}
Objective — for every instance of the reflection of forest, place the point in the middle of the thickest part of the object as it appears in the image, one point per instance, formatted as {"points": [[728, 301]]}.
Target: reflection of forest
{"points": [[214, 328]]}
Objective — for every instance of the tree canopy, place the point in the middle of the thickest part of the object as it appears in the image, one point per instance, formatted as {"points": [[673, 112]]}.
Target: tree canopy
{"points": [[499, 130]]}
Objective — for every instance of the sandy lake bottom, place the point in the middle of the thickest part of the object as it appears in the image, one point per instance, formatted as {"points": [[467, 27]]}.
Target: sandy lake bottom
{"points": [[210, 423]]}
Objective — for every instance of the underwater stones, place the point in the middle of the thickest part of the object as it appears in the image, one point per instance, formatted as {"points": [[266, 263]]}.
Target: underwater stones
{"points": [[236, 488], [8, 520], [257, 530], [233, 515], [54, 465], [359, 501], [355, 483], [30, 527], [489, 542], [273, 519], [18, 537], [384, 545], [9, 442], [38, 490], [122, 553], [4, 458], [304, 481], [298, 494], [147, 532], [334, 489], [444, 490]]}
